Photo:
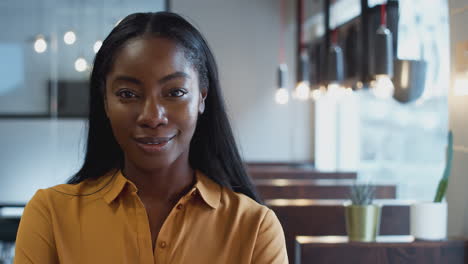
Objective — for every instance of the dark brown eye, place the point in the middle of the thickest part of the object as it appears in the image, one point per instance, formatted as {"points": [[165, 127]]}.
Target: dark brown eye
{"points": [[177, 93], [126, 94]]}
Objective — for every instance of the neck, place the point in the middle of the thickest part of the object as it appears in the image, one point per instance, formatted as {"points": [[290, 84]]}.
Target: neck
{"points": [[166, 184]]}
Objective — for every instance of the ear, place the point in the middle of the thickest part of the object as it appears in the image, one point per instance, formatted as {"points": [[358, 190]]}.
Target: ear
{"points": [[201, 103]]}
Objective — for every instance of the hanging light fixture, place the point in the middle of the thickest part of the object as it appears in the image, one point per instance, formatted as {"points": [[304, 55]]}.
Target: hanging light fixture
{"points": [[302, 90], [97, 45], [383, 64], [335, 68], [40, 44], [282, 93], [69, 37], [318, 93], [80, 64], [303, 87]]}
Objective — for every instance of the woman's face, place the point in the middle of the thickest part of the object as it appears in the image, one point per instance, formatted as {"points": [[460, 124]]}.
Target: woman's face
{"points": [[152, 101]]}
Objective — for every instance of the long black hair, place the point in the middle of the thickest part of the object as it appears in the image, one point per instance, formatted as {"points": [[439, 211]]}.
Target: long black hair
{"points": [[213, 149]]}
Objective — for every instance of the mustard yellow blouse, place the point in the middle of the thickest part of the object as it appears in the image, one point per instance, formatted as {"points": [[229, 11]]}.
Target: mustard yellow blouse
{"points": [[104, 221]]}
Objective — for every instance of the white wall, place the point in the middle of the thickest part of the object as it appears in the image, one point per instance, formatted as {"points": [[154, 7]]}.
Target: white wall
{"points": [[38, 153], [457, 196], [244, 36]]}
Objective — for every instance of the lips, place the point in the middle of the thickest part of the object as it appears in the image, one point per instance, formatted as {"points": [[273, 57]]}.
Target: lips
{"points": [[153, 145], [153, 140]]}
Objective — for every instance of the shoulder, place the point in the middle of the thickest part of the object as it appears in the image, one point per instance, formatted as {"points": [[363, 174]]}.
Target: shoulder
{"points": [[247, 208], [260, 222], [232, 198], [230, 203], [62, 193]]}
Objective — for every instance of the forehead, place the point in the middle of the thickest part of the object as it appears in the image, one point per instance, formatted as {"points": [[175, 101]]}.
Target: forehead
{"points": [[150, 56]]}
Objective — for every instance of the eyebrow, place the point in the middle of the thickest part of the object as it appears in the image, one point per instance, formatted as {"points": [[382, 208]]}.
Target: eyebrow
{"points": [[172, 76], [163, 80]]}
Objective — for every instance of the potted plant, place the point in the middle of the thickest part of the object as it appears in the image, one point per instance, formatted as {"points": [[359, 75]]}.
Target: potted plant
{"points": [[362, 215], [429, 219]]}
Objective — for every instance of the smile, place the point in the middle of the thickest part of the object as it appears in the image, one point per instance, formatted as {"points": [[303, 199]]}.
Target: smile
{"points": [[153, 144]]}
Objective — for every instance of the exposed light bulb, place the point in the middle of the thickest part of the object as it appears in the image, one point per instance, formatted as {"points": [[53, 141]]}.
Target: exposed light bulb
{"points": [[40, 45], [334, 90], [69, 37], [81, 65], [97, 45], [282, 96], [302, 90], [383, 87], [359, 85], [316, 94], [348, 91]]}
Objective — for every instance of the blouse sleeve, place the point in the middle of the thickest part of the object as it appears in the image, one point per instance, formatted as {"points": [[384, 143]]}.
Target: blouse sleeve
{"points": [[270, 246], [34, 240]]}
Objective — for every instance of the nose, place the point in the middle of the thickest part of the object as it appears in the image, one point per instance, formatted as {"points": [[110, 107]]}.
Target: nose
{"points": [[153, 114]]}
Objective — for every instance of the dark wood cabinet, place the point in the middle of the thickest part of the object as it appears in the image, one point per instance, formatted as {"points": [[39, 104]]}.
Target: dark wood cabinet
{"points": [[290, 172], [388, 250], [315, 189]]}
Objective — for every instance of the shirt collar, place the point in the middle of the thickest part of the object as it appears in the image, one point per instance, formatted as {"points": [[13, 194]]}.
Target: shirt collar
{"points": [[117, 185], [207, 188]]}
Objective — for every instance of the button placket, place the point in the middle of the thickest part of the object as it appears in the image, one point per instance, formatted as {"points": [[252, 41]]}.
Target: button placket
{"points": [[143, 232]]}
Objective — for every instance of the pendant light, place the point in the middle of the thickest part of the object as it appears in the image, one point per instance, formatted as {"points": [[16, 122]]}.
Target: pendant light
{"points": [[81, 63], [282, 93], [383, 56], [100, 21], [302, 91], [40, 42], [70, 36], [303, 86], [335, 68]]}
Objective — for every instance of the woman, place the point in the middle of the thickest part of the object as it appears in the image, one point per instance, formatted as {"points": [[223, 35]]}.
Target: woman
{"points": [[162, 180]]}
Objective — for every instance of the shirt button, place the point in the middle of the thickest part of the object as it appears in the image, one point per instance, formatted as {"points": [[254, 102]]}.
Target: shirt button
{"points": [[162, 244], [180, 206]]}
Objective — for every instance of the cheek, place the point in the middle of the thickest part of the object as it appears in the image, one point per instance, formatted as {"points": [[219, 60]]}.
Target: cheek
{"points": [[186, 118], [192, 113], [120, 121]]}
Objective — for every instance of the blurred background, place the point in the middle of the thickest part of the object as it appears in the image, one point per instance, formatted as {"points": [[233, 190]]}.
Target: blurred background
{"points": [[320, 93]]}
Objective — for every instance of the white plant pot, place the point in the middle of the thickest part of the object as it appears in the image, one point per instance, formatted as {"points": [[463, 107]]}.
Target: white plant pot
{"points": [[429, 220]]}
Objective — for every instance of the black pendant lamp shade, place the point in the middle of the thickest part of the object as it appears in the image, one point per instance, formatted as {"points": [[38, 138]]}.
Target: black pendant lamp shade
{"points": [[335, 64], [305, 68], [409, 80], [383, 56], [282, 76]]}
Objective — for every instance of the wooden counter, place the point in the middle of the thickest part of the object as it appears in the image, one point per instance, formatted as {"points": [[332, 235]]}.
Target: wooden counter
{"points": [[388, 250]]}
